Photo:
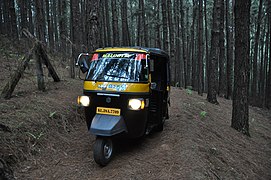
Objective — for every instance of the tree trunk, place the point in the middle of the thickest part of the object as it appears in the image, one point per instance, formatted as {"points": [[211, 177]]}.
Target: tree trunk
{"points": [[200, 51], [240, 116], [194, 64], [49, 25], [165, 26], [39, 70], [63, 24], [171, 44], [108, 26], [23, 12], [183, 46], [268, 79], [229, 37], [39, 20], [11, 84], [115, 23], [104, 39], [46, 61], [206, 43], [55, 24], [13, 19], [179, 66], [214, 54], [188, 49], [157, 26], [6, 18], [30, 17], [1, 19], [254, 88], [125, 28], [263, 83], [143, 23], [92, 29], [75, 35], [222, 79]]}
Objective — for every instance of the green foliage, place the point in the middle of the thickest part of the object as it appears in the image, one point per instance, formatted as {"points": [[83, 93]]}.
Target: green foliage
{"points": [[189, 90], [203, 114], [35, 137], [52, 114]]}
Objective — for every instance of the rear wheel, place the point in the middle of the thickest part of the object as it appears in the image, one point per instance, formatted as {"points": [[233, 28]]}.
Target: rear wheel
{"points": [[103, 150]]}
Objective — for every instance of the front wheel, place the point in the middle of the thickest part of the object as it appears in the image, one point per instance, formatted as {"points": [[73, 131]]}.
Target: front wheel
{"points": [[103, 150]]}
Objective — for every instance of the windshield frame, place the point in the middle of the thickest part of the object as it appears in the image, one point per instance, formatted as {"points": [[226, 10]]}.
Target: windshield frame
{"points": [[146, 66]]}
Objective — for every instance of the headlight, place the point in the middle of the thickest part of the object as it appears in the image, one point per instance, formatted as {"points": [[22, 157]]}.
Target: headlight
{"points": [[136, 104], [83, 100]]}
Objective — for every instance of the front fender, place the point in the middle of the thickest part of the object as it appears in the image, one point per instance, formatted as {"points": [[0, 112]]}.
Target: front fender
{"points": [[107, 125]]}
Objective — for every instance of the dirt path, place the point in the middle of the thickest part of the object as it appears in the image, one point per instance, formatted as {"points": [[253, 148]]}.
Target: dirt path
{"points": [[190, 147]]}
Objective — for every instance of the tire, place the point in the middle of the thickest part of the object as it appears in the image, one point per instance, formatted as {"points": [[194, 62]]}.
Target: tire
{"points": [[160, 127], [103, 150]]}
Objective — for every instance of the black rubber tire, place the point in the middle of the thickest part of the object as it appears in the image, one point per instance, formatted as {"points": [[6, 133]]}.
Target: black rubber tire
{"points": [[102, 155], [160, 127]]}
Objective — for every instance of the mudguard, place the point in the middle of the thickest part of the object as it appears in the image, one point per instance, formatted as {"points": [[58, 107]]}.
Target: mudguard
{"points": [[107, 125]]}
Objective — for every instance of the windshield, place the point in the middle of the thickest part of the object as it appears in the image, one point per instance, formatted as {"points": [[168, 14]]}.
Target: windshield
{"points": [[120, 67]]}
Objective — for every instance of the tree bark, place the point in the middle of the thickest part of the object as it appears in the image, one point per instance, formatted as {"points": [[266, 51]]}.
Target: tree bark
{"points": [[157, 26], [229, 47], [13, 19], [63, 24], [179, 67], [214, 54], [240, 111], [183, 46], [92, 29], [200, 51], [30, 17], [6, 18], [143, 23], [55, 24], [125, 28], [254, 89], [222, 79], [39, 70], [268, 79], [115, 23], [171, 44], [108, 25], [193, 55], [49, 25], [1, 20], [165, 26], [23, 13], [206, 43], [11, 84], [39, 20]]}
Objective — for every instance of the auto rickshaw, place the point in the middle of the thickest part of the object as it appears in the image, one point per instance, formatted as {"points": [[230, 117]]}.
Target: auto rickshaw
{"points": [[126, 94]]}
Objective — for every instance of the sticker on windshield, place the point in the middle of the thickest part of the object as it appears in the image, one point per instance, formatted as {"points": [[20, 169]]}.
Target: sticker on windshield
{"points": [[114, 87], [112, 55]]}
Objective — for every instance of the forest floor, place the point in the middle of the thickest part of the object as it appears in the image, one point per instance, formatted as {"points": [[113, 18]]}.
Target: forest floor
{"points": [[45, 137]]}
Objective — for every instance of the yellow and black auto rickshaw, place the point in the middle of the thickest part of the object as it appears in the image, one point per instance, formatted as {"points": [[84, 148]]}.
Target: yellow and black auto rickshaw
{"points": [[126, 94]]}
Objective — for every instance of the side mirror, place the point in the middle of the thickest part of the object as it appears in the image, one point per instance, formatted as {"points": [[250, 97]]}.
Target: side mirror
{"points": [[83, 61]]}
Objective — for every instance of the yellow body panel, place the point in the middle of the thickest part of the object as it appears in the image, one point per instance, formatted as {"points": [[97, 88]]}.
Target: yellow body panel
{"points": [[117, 86], [110, 49]]}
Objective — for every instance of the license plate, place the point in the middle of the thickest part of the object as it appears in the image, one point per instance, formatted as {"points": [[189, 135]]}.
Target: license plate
{"points": [[108, 111]]}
